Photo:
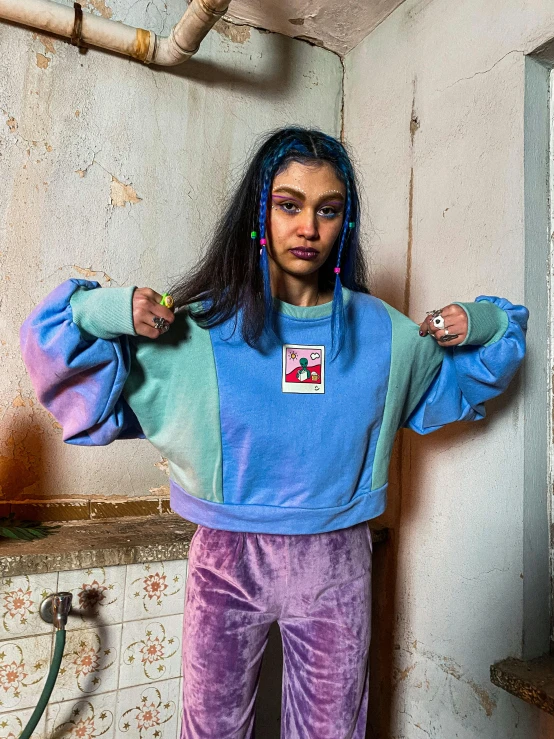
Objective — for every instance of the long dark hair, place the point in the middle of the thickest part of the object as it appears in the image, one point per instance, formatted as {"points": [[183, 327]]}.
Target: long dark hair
{"points": [[232, 275]]}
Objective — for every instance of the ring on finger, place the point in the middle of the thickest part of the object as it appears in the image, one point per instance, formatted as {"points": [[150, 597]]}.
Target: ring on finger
{"points": [[438, 321], [161, 324]]}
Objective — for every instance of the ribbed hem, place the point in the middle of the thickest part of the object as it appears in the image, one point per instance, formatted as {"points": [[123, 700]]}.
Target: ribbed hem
{"points": [[487, 323], [267, 519], [104, 313]]}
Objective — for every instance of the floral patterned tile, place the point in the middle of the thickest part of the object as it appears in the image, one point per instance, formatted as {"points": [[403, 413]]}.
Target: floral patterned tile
{"points": [[155, 589], [12, 724], [20, 598], [97, 596], [24, 664], [90, 663], [150, 650], [149, 712], [88, 718]]}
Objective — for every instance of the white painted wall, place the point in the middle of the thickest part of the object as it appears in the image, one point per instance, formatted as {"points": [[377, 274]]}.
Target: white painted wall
{"points": [[434, 111], [111, 166]]}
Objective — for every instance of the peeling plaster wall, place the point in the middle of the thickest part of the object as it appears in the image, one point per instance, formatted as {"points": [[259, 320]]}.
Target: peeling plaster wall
{"points": [[334, 24], [434, 110], [114, 171]]}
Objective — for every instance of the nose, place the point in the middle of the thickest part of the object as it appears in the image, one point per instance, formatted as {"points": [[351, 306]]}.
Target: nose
{"points": [[307, 225]]}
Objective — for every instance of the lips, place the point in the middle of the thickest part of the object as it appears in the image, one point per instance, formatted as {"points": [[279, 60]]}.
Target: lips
{"points": [[304, 253]]}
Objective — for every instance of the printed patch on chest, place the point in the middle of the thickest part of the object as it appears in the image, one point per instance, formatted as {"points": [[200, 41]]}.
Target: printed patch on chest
{"points": [[303, 369]]}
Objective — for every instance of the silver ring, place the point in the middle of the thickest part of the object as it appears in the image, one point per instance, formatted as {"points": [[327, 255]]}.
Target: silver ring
{"points": [[161, 324], [446, 331]]}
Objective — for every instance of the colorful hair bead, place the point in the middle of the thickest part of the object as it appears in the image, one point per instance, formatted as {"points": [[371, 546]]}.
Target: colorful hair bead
{"points": [[337, 270], [263, 242], [351, 224], [253, 235]]}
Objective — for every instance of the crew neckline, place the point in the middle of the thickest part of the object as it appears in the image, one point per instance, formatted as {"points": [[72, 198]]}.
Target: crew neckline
{"points": [[309, 311]]}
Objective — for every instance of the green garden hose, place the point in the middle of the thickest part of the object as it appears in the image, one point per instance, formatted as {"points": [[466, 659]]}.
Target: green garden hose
{"points": [[48, 686], [57, 610]]}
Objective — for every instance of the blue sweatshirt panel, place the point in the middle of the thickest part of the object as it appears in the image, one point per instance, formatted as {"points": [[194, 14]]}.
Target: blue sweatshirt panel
{"points": [[295, 450]]}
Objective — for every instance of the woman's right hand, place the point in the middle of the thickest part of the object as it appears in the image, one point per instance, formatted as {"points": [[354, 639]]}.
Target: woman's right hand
{"points": [[146, 305]]}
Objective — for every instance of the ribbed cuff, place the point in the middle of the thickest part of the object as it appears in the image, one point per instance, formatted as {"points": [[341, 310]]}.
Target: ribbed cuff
{"points": [[486, 322], [104, 313]]}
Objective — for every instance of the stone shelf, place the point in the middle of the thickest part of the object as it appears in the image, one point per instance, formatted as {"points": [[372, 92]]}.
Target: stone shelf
{"points": [[532, 681], [119, 541]]}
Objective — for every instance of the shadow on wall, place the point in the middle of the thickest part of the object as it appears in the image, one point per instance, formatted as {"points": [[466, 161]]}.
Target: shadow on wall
{"points": [[23, 468], [273, 83], [404, 505]]}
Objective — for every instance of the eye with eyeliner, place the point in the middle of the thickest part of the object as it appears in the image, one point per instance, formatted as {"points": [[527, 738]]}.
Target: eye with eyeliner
{"points": [[283, 202]]}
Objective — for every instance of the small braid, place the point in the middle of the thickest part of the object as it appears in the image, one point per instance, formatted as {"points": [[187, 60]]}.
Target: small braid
{"points": [[337, 316], [269, 170]]}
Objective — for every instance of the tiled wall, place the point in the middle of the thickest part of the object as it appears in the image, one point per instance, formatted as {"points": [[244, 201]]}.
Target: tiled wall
{"points": [[121, 671]]}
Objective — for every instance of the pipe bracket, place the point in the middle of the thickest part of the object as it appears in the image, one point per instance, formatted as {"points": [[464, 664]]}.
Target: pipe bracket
{"points": [[77, 33]]}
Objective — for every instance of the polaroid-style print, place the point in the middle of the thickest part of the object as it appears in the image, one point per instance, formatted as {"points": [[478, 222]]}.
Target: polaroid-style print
{"points": [[303, 369]]}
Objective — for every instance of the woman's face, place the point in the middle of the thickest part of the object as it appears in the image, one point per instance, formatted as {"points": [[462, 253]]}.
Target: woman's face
{"points": [[305, 217]]}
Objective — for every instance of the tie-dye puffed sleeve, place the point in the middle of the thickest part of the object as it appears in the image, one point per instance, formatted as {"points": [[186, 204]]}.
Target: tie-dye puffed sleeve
{"points": [[77, 375], [475, 371]]}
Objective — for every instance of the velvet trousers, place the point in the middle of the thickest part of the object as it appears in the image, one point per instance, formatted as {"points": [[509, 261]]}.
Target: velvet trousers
{"points": [[318, 588]]}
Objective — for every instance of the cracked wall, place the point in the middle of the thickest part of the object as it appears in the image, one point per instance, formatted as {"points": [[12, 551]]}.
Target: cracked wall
{"points": [[434, 109], [99, 158]]}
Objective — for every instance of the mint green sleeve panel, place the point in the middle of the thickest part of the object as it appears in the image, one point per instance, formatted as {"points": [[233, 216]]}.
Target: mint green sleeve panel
{"points": [[104, 313], [486, 323], [172, 388], [414, 363]]}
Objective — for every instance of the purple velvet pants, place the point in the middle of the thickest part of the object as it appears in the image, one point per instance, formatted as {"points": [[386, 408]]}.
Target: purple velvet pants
{"points": [[318, 588]]}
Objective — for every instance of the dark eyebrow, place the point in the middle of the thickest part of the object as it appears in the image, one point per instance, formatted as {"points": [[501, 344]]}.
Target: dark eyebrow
{"points": [[292, 190], [302, 196]]}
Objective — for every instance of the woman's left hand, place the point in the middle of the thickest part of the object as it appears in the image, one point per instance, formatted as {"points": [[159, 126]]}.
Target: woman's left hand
{"points": [[455, 320]]}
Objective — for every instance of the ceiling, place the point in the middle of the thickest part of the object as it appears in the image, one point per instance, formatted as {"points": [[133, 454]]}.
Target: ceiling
{"points": [[337, 25]]}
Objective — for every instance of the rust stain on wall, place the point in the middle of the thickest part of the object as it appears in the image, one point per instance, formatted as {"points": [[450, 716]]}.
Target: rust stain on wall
{"points": [[236, 34], [11, 123], [485, 699], [122, 194]]}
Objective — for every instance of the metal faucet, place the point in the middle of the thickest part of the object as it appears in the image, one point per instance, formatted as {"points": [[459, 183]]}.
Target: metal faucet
{"points": [[55, 609]]}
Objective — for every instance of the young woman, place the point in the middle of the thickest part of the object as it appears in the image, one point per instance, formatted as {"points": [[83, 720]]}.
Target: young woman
{"points": [[275, 390]]}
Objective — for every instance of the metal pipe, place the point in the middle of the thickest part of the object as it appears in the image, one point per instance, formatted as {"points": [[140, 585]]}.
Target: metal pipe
{"points": [[183, 41]]}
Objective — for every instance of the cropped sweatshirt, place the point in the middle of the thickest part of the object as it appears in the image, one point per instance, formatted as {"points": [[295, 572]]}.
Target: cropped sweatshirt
{"points": [[274, 440]]}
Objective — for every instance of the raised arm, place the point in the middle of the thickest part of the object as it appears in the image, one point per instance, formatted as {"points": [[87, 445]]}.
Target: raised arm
{"points": [[467, 375], [76, 346]]}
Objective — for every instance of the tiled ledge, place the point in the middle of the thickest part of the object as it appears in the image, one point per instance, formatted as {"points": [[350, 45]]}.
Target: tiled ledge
{"points": [[121, 541], [532, 681]]}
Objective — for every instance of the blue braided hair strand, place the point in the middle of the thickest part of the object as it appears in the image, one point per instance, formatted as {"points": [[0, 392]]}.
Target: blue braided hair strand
{"points": [[270, 167], [337, 317]]}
